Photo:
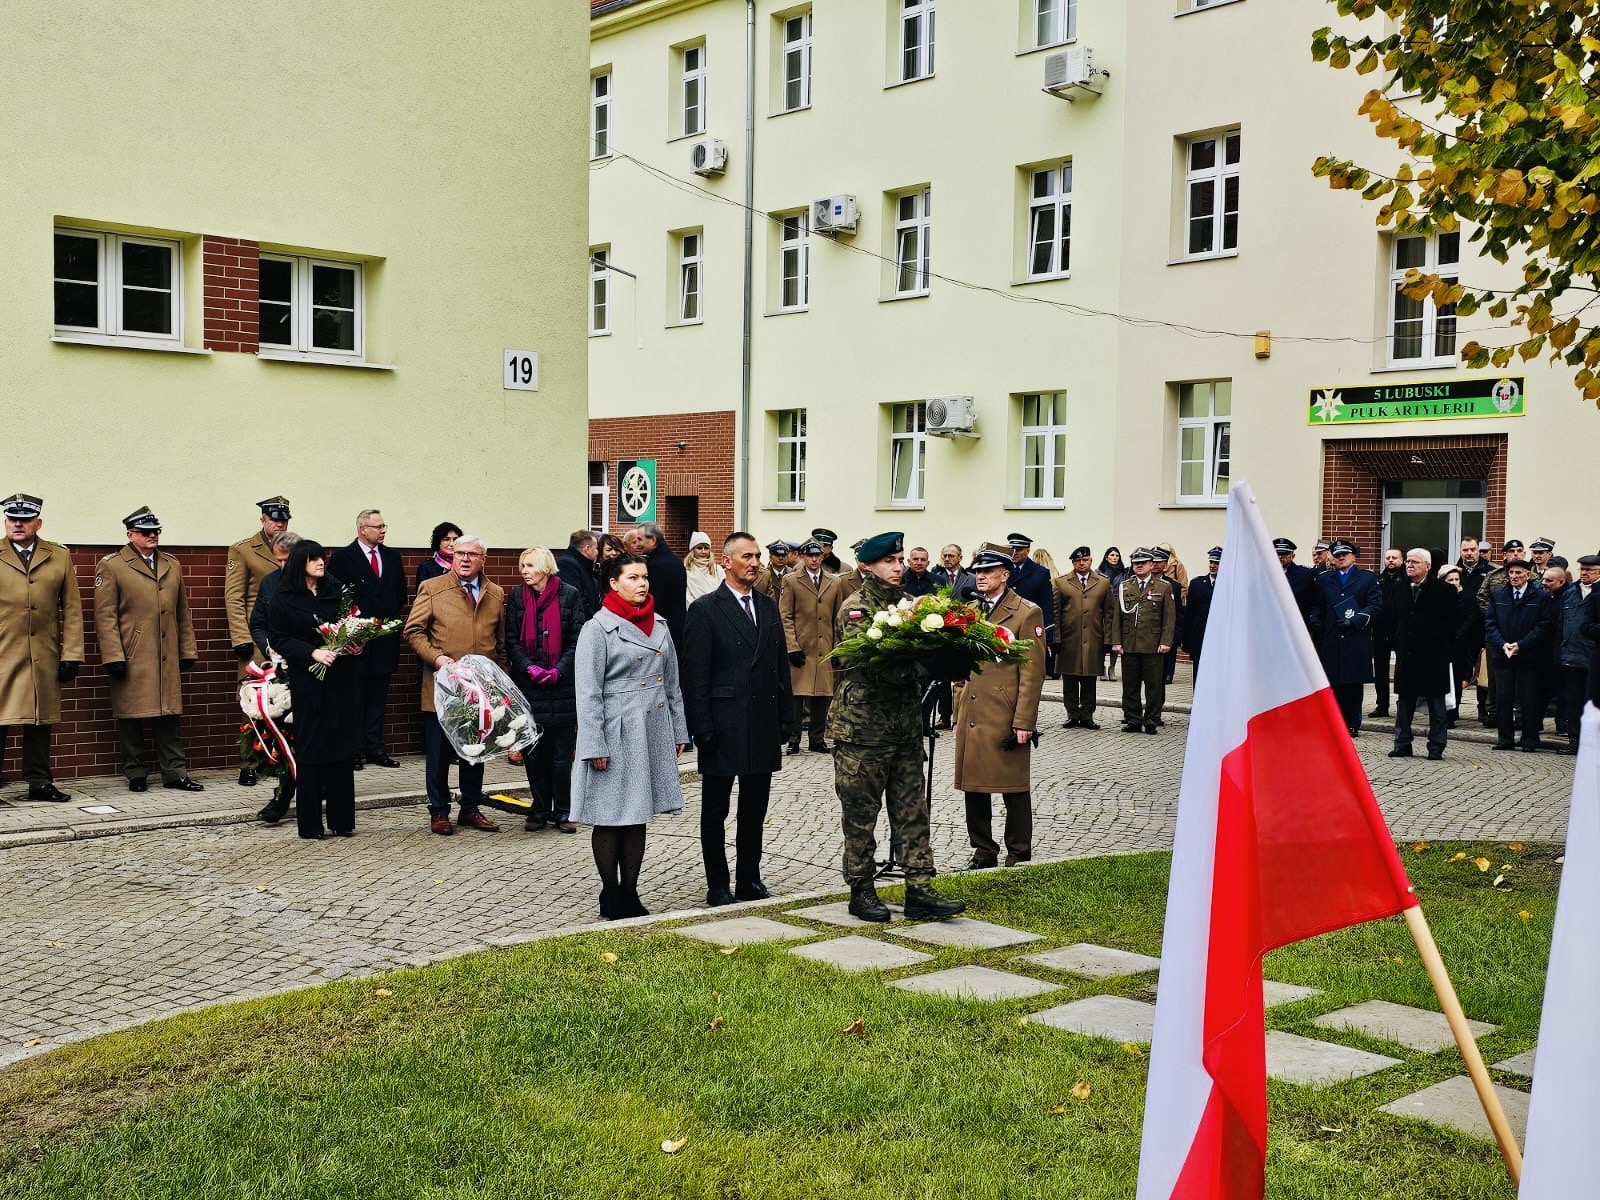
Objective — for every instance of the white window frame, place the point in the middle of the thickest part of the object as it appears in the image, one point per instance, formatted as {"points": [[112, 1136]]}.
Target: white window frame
{"points": [[790, 426], [1213, 179], [1056, 204], [109, 289], [1050, 435], [1217, 442], [600, 116], [599, 493], [1432, 324], [1062, 19], [794, 261], [913, 227], [692, 116], [600, 291], [916, 46], [691, 277], [912, 441], [795, 61], [302, 312]]}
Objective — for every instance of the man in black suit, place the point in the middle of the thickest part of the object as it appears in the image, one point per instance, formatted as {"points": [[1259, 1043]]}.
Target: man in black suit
{"points": [[1422, 615], [737, 697], [379, 579], [669, 582], [1302, 580], [1198, 610], [1516, 628], [575, 566]]}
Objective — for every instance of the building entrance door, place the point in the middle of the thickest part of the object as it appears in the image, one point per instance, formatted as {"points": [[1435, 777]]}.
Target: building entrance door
{"points": [[1432, 513]]}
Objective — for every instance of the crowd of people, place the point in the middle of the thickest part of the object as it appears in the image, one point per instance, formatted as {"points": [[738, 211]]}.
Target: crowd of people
{"points": [[628, 655]]}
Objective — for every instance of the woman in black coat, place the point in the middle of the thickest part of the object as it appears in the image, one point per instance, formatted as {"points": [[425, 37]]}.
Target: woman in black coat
{"points": [[1466, 642], [327, 712], [543, 619], [444, 538]]}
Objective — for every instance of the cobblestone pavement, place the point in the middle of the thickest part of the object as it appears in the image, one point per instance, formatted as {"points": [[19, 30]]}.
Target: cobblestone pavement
{"points": [[102, 932]]}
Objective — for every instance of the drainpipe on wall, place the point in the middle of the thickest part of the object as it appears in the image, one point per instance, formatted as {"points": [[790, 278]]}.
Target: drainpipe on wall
{"points": [[749, 257]]}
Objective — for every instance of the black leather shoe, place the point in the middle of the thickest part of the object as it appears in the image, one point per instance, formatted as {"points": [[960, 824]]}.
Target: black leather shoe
{"points": [[1505, 746], [752, 889], [273, 813], [358, 765], [1533, 749], [344, 833], [1435, 755], [1130, 727], [792, 748], [821, 748], [865, 905], [183, 784], [247, 777], [1399, 752], [1151, 728], [978, 863], [137, 785], [718, 897], [48, 792], [382, 760], [925, 904], [1087, 725], [1380, 711], [1070, 723]]}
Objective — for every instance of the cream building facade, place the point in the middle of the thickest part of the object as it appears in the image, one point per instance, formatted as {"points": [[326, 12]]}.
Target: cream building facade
{"points": [[1142, 289]]}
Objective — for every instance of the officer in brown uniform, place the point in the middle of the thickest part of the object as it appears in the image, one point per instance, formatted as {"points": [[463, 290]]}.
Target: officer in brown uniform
{"points": [[146, 639], [770, 581], [1144, 622], [1081, 598], [809, 607], [41, 638], [996, 719], [249, 562]]}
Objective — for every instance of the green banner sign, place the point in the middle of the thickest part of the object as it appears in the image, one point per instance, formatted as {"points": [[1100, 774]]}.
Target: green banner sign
{"points": [[1449, 400], [636, 490]]}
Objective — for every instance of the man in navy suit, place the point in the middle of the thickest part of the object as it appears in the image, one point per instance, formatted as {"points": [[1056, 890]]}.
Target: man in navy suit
{"points": [[1348, 601], [379, 579], [1034, 583], [1516, 629], [1302, 580], [734, 668]]}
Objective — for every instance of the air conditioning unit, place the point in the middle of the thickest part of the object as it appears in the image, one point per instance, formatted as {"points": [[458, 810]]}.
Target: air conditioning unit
{"points": [[834, 214], [708, 156], [1072, 71], [951, 416]]}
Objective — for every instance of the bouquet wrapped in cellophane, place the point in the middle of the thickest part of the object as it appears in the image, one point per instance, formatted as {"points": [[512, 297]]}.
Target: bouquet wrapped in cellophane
{"points": [[482, 713], [944, 636]]}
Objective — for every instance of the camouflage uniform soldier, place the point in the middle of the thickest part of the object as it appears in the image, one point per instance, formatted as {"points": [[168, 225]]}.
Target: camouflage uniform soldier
{"points": [[876, 725]]}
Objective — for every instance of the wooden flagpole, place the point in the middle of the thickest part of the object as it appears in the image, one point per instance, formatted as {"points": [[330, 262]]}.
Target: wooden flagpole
{"points": [[1423, 936]]}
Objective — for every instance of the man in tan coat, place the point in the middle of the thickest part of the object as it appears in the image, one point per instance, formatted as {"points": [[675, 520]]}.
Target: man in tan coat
{"points": [[1144, 623], [249, 562], [41, 638], [1081, 596], [809, 605], [996, 718], [146, 639], [452, 616]]}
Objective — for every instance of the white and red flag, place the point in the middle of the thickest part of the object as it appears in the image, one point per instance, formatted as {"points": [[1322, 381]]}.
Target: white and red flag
{"points": [[1278, 838]]}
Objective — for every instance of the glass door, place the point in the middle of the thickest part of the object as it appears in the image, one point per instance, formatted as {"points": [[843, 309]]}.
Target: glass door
{"points": [[1434, 514]]}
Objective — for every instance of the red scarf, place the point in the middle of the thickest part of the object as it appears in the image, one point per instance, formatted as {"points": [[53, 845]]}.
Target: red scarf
{"points": [[644, 616]]}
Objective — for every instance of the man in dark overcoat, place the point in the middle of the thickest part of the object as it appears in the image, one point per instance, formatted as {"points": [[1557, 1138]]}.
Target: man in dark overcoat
{"points": [[378, 578], [1348, 602], [1302, 580], [1423, 623], [1390, 580], [1198, 611], [575, 566], [734, 672], [1517, 623], [1032, 581]]}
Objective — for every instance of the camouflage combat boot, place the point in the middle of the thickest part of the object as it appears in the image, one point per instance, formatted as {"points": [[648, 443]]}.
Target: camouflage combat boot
{"points": [[864, 902], [925, 904]]}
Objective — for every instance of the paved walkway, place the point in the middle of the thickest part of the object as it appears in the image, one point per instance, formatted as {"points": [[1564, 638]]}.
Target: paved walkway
{"points": [[102, 932]]}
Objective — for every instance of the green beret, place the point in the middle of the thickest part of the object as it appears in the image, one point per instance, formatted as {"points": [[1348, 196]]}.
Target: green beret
{"points": [[880, 546]]}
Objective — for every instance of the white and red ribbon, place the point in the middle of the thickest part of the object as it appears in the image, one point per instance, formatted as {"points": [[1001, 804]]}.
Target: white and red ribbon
{"points": [[261, 677]]}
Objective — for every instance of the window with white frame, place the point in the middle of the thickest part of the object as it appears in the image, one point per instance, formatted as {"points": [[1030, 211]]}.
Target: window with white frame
{"points": [[311, 306], [796, 62], [600, 290], [1044, 449], [1054, 22], [692, 89], [1050, 222], [1211, 194], [794, 261], [1420, 331], [908, 448], [600, 116], [791, 456], [1204, 412], [599, 504], [911, 229], [690, 264], [118, 286], [916, 39]]}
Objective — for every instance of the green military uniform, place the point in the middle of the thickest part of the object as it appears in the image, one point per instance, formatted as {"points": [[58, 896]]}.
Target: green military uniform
{"points": [[1143, 618]]}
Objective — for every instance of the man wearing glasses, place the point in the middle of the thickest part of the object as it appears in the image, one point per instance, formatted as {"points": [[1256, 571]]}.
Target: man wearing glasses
{"points": [[379, 581]]}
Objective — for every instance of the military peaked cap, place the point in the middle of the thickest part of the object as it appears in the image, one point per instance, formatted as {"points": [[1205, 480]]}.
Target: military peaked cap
{"points": [[811, 547], [826, 536], [1018, 540], [1542, 545], [1320, 546], [22, 507], [143, 520], [1283, 545], [778, 547], [1340, 546], [1157, 554], [274, 508], [1141, 555], [880, 547], [987, 559], [1214, 554]]}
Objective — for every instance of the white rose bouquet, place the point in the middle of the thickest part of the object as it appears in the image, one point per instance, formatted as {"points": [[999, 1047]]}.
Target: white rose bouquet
{"points": [[482, 713], [944, 636]]}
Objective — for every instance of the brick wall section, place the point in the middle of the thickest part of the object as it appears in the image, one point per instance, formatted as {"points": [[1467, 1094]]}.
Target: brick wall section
{"points": [[703, 470], [232, 294], [85, 742]]}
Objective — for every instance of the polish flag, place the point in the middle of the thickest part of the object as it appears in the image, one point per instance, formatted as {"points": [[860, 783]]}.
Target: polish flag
{"points": [[1278, 838], [1561, 1153]]}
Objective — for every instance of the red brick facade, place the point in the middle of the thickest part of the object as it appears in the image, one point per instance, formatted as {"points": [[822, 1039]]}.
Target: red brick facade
{"points": [[694, 483], [232, 294]]}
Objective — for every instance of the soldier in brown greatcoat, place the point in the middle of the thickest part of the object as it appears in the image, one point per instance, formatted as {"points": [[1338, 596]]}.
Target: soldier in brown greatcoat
{"points": [[1144, 622], [249, 562], [770, 581], [41, 638], [1081, 597], [141, 619], [809, 606]]}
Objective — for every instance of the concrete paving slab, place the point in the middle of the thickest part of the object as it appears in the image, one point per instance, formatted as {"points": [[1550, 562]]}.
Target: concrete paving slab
{"points": [[1416, 1028], [1274, 993], [1519, 1064], [964, 933], [743, 931], [975, 983], [1098, 962], [839, 914], [1297, 1059], [861, 954], [1454, 1103], [1114, 1017]]}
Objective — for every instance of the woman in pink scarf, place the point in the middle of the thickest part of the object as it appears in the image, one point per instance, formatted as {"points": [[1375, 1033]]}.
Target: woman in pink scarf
{"points": [[543, 619]]}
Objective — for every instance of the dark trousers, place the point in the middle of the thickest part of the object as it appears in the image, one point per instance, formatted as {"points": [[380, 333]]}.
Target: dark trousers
{"points": [[1348, 696], [1488, 700], [329, 786], [1575, 690], [374, 702], [439, 755], [1146, 674], [715, 792], [944, 698], [1194, 668], [1380, 671], [35, 753], [1077, 693], [1519, 686], [819, 719], [549, 768], [1169, 664], [1405, 708], [1019, 827], [169, 747]]}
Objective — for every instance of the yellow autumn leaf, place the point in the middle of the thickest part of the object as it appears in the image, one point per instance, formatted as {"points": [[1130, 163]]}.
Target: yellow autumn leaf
{"points": [[34, 1042], [1514, 847], [58, 943], [1081, 1090], [857, 1027], [1481, 863], [608, 957], [716, 997], [382, 992], [1130, 1048], [1524, 915], [728, 951], [1397, 959], [1458, 856], [1420, 847], [1055, 1110], [261, 887], [716, 1021], [673, 1145], [1561, 860], [438, 881]]}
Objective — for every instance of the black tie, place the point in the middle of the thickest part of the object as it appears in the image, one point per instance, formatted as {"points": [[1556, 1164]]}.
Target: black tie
{"points": [[26, 555], [1415, 587], [749, 609]]}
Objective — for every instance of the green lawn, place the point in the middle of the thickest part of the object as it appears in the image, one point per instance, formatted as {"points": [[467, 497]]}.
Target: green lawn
{"points": [[549, 1070]]}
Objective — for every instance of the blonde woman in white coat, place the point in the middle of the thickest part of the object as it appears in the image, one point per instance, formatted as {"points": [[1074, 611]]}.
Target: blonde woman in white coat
{"points": [[703, 574]]}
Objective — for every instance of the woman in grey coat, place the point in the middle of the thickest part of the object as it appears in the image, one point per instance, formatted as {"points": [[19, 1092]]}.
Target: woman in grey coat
{"points": [[631, 729]]}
